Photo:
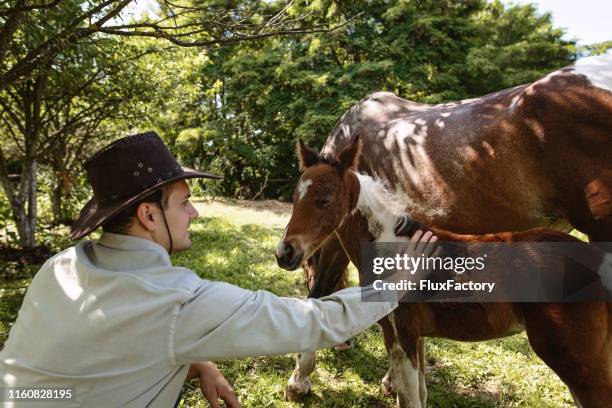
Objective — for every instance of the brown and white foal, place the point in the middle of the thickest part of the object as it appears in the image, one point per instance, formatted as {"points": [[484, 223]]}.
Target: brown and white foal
{"points": [[574, 339]]}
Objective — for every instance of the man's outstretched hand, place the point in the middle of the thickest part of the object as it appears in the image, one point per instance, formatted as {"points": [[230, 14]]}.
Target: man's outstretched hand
{"points": [[420, 244], [213, 384]]}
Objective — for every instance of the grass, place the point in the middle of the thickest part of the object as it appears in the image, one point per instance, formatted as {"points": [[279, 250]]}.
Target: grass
{"points": [[234, 242]]}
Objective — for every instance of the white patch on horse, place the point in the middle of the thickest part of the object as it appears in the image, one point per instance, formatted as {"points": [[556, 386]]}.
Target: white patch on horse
{"points": [[516, 101], [597, 69], [299, 384], [488, 148], [387, 383], [605, 272], [406, 375], [302, 188], [397, 132], [439, 123], [380, 207], [431, 212]]}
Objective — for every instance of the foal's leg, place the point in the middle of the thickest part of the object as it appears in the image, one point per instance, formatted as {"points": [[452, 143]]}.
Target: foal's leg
{"points": [[326, 273], [405, 367], [299, 384], [329, 261], [388, 383], [422, 383]]}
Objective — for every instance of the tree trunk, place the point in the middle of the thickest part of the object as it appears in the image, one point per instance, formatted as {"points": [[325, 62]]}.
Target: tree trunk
{"points": [[30, 239], [24, 212], [56, 200]]}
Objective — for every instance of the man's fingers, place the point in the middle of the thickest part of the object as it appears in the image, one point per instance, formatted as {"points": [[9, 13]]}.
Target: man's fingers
{"points": [[210, 393], [430, 246], [214, 403], [416, 236], [231, 400], [420, 247]]}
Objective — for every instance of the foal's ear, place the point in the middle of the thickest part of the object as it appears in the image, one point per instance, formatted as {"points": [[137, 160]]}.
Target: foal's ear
{"points": [[306, 156], [349, 156]]}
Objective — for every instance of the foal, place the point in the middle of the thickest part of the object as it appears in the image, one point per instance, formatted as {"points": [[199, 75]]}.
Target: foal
{"points": [[574, 339]]}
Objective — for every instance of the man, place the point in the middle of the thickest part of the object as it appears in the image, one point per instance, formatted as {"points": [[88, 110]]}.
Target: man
{"points": [[117, 324]]}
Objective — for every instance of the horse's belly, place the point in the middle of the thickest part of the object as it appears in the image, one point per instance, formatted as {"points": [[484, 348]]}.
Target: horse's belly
{"points": [[474, 321]]}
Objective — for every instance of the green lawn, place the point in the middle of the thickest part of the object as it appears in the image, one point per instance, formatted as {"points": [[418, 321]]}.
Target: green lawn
{"points": [[235, 244]]}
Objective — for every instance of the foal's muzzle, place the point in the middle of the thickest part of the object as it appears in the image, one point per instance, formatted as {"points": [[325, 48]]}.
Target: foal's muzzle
{"points": [[288, 256]]}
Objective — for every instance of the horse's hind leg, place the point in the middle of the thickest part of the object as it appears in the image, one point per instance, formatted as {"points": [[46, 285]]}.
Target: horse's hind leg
{"points": [[590, 211], [573, 340], [576, 401], [299, 384]]}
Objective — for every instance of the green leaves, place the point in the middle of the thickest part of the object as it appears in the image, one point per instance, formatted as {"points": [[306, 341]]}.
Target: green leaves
{"points": [[263, 96]]}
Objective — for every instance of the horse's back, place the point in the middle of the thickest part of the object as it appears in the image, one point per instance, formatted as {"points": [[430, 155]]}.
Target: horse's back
{"points": [[452, 166], [510, 160]]}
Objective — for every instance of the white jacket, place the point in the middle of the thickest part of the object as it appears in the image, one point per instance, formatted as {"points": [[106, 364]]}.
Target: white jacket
{"points": [[117, 323]]}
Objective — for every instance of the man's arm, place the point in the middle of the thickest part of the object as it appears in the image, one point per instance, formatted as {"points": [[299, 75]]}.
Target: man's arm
{"points": [[223, 321]]}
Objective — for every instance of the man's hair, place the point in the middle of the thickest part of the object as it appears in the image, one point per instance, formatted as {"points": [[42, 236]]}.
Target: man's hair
{"points": [[121, 223]]}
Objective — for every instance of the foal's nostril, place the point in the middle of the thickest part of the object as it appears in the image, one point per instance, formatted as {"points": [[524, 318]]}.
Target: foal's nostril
{"points": [[289, 251]]}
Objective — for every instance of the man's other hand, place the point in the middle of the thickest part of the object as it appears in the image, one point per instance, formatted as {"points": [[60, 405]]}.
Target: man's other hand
{"points": [[213, 384]]}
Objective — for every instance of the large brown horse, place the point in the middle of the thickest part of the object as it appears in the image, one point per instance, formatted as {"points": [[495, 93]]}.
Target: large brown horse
{"points": [[535, 155], [574, 339], [539, 154]]}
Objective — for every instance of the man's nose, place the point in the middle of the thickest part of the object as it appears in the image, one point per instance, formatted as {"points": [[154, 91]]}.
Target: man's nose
{"points": [[194, 213]]}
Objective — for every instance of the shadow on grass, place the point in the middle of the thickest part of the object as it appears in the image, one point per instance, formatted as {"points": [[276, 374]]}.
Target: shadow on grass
{"points": [[346, 397], [369, 364], [444, 393]]}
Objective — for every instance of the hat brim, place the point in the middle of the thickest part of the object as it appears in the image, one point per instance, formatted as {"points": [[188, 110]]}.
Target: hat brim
{"points": [[93, 215]]}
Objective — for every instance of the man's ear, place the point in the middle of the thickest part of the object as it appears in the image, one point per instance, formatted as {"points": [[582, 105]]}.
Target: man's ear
{"points": [[306, 156], [146, 216], [349, 156]]}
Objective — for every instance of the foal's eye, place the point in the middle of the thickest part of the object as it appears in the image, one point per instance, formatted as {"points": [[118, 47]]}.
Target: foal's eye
{"points": [[323, 201]]}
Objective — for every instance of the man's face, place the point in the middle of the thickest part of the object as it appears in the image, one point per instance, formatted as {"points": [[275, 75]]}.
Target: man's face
{"points": [[179, 214]]}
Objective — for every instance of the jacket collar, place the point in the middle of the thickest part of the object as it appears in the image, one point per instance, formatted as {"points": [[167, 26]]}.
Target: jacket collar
{"points": [[132, 243]]}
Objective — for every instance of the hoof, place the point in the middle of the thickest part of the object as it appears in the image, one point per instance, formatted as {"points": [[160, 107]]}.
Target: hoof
{"points": [[388, 386], [347, 345], [296, 391]]}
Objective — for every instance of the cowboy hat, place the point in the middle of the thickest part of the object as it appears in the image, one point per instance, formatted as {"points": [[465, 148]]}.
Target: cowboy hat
{"points": [[124, 172]]}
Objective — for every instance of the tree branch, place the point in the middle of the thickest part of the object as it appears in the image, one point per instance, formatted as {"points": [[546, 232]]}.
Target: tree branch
{"points": [[218, 41], [22, 9]]}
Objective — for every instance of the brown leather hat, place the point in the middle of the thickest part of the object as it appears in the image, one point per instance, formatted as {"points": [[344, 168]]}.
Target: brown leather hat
{"points": [[124, 172]]}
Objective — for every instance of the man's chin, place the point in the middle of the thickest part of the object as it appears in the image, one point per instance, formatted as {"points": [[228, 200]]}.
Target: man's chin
{"points": [[182, 246]]}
